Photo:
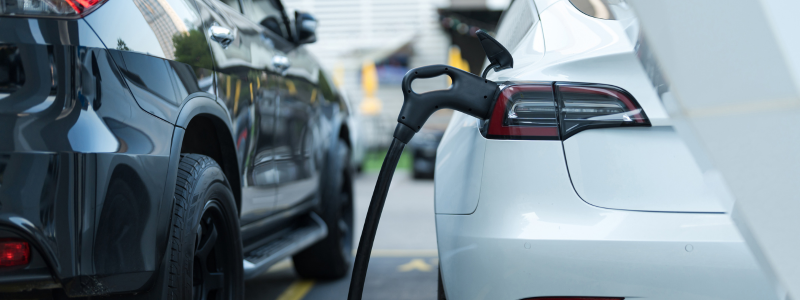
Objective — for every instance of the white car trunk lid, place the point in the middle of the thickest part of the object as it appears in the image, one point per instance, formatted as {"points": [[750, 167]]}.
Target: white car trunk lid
{"points": [[642, 168]]}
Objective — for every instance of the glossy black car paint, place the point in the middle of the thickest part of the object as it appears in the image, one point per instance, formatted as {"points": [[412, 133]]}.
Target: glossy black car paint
{"points": [[74, 150], [97, 110]]}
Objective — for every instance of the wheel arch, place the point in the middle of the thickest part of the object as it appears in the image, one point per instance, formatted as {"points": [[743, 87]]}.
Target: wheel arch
{"points": [[199, 113], [205, 128], [344, 134], [339, 130]]}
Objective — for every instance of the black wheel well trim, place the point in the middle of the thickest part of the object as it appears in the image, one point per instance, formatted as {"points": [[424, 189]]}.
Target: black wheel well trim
{"points": [[344, 133], [200, 103], [206, 108], [340, 132]]}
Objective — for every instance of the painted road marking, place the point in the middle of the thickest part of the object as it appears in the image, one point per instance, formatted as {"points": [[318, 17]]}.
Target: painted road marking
{"points": [[297, 290], [415, 264], [402, 253], [281, 265]]}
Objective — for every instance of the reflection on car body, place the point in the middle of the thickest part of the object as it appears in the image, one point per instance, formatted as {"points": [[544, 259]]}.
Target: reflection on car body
{"points": [[133, 142]]}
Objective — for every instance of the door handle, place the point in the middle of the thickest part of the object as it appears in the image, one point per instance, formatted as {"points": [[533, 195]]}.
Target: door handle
{"points": [[281, 63], [221, 35]]}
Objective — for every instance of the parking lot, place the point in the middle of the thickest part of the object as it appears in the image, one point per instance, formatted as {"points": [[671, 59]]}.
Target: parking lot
{"points": [[404, 261]]}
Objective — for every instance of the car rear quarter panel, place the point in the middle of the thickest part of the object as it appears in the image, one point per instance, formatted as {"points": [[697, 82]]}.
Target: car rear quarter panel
{"points": [[161, 50], [82, 169], [459, 159]]}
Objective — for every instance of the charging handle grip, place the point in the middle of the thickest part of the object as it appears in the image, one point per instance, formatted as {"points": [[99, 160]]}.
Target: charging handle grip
{"points": [[469, 94]]}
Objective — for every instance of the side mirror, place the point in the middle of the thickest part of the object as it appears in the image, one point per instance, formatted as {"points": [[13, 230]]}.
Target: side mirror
{"points": [[499, 57], [305, 27]]}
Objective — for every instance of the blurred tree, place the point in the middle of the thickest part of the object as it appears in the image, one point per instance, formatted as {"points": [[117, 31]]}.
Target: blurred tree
{"points": [[122, 46], [191, 49]]}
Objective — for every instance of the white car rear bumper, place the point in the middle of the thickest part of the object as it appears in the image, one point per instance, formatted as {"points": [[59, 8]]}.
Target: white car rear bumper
{"points": [[644, 259], [532, 236]]}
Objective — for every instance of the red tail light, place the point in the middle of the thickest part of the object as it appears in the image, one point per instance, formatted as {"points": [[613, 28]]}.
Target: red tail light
{"points": [[82, 5], [49, 8], [14, 252], [525, 112], [544, 111]]}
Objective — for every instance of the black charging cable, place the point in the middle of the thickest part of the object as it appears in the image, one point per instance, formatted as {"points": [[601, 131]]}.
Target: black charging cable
{"points": [[469, 94], [373, 215]]}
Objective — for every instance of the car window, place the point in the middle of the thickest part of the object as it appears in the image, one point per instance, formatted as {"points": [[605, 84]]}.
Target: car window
{"points": [[234, 4], [268, 13], [594, 8], [515, 22], [326, 87]]}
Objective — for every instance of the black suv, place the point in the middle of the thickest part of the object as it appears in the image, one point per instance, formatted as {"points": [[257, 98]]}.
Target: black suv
{"points": [[166, 149]]}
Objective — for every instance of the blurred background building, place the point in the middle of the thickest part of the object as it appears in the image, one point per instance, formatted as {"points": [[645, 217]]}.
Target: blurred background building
{"points": [[368, 45], [164, 22]]}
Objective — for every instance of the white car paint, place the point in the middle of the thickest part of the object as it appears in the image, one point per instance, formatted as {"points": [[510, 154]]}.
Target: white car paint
{"points": [[733, 74], [512, 222], [585, 49], [644, 169], [462, 164]]}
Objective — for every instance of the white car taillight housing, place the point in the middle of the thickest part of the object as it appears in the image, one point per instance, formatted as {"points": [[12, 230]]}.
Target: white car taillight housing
{"points": [[557, 111]]}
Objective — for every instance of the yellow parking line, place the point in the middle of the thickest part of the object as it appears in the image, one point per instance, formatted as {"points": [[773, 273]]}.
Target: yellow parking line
{"points": [[402, 253], [281, 265], [415, 264], [297, 290]]}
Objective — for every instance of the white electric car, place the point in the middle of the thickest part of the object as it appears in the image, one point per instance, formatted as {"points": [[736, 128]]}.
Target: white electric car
{"points": [[578, 187]]}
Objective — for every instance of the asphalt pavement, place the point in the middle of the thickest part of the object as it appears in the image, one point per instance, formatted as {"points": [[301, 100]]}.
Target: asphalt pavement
{"points": [[404, 263]]}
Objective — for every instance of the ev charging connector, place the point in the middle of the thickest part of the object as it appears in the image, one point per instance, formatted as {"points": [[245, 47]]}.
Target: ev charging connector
{"points": [[468, 94]]}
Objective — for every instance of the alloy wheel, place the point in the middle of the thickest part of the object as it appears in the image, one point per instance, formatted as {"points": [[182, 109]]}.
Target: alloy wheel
{"points": [[210, 265]]}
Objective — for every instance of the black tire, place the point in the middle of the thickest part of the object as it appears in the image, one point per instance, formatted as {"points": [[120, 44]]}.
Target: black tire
{"points": [[421, 175], [440, 290], [330, 257], [204, 257]]}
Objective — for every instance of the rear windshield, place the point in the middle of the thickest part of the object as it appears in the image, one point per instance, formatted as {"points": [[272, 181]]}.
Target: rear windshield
{"points": [[515, 23], [594, 8]]}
